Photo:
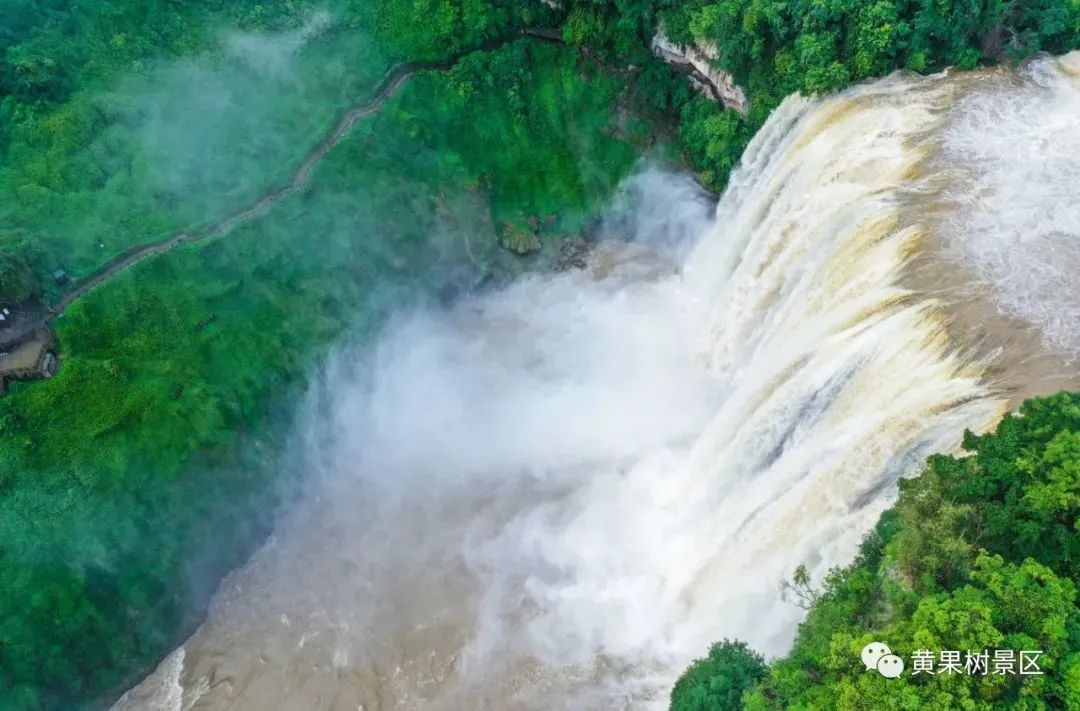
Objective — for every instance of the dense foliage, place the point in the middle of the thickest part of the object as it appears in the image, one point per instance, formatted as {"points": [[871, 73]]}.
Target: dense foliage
{"points": [[777, 47], [774, 48], [719, 680], [146, 468], [84, 174], [980, 552]]}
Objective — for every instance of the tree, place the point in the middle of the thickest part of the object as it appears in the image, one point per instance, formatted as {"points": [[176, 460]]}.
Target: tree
{"points": [[17, 278], [718, 682]]}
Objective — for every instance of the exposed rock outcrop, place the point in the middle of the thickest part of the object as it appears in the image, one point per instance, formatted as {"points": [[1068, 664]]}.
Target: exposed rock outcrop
{"points": [[697, 62]]}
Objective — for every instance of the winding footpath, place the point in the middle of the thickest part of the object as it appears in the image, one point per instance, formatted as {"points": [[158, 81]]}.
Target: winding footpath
{"points": [[396, 78]]}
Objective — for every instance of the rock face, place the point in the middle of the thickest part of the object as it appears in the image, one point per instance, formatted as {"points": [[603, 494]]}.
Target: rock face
{"points": [[696, 61]]}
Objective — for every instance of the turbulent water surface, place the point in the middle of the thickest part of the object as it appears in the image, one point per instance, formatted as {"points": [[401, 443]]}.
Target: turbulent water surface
{"points": [[556, 495]]}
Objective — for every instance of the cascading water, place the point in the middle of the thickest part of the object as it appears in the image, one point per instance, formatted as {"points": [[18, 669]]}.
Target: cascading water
{"points": [[556, 495]]}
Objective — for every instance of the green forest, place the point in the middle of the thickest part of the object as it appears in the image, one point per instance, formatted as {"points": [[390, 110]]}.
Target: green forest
{"points": [[145, 469]]}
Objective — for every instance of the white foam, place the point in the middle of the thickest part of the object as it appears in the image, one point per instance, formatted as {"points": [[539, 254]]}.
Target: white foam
{"points": [[1016, 147]]}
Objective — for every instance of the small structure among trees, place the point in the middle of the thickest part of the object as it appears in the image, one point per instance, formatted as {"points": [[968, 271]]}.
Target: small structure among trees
{"points": [[26, 344]]}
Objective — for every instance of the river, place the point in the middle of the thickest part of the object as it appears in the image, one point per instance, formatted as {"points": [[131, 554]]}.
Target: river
{"points": [[557, 494]]}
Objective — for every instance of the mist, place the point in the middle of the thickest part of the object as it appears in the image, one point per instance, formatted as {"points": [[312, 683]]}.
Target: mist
{"points": [[559, 492], [184, 141], [558, 489]]}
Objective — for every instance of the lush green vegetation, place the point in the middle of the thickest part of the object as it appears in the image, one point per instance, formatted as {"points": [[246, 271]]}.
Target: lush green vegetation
{"points": [[774, 48], [111, 143], [777, 47], [980, 552], [122, 122], [719, 680], [145, 469]]}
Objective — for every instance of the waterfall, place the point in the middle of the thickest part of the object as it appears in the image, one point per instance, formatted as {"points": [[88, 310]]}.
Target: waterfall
{"points": [[558, 494]]}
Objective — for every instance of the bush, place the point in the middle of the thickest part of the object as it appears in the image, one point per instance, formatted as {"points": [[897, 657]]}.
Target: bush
{"points": [[718, 682]]}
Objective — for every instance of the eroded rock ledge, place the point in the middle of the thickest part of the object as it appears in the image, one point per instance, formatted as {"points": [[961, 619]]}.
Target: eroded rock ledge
{"points": [[696, 61]]}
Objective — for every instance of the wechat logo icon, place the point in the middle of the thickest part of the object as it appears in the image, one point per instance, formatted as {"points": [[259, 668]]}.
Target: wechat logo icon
{"points": [[877, 655]]}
